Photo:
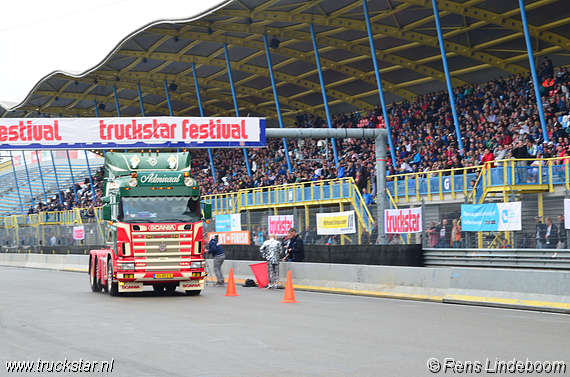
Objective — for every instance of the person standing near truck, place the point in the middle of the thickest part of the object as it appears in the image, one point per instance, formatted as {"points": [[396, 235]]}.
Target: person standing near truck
{"points": [[219, 257], [295, 249]]}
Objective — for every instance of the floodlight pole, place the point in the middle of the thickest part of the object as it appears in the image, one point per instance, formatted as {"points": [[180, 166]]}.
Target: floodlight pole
{"points": [[235, 100], [202, 115], [379, 83], [447, 77], [323, 89], [535, 82], [277, 107]]}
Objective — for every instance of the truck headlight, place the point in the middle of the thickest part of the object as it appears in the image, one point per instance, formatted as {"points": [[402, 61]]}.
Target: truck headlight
{"points": [[133, 182], [188, 181], [196, 264], [125, 266]]}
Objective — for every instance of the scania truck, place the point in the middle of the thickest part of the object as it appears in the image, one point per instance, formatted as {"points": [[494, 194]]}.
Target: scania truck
{"points": [[152, 225]]}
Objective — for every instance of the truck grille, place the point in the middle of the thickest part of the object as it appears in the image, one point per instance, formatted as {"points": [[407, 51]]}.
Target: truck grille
{"points": [[168, 251]]}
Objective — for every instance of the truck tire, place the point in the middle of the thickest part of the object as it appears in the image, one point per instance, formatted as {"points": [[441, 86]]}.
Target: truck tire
{"points": [[113, 288], [93, 275], [193, 293]]}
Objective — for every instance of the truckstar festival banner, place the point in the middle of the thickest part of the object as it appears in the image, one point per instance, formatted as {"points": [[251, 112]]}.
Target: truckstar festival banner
{"points": [[126, 132], [336, 223], [280, 225], [403, 220], [491, 217]]}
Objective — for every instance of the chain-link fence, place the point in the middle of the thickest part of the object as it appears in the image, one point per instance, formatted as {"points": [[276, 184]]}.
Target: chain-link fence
{"points": [[50, 235]]}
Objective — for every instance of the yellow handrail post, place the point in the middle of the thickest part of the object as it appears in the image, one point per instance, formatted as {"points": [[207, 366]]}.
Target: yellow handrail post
{"points": [[406, 187], [452, 185], [428, 186], [396, 188], [440, 186], [417, 187]]}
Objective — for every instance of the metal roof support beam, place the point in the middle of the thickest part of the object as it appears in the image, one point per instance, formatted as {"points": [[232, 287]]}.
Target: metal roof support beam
{"points": [[41, 177], [230, 78], [56, 180], [535, 82], [447, 77], [379, 83], [29, 183], [344, 133], [72, 180], [141, 99], [323, 89], [90, 179], [202, 115], [279, 116], [16, 181], [168, 98], [116, 102]]}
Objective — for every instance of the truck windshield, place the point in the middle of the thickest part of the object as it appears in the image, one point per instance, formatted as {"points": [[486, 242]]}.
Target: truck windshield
{"points": [[159, 209]]}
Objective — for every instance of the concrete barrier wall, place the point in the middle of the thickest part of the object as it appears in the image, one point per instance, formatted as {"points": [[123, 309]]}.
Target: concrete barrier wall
{"points": [[523, 289]]}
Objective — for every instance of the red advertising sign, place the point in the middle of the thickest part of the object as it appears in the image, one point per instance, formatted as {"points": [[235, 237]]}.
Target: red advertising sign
{"points": [[78, 232], [403, 220], [280, 225]]}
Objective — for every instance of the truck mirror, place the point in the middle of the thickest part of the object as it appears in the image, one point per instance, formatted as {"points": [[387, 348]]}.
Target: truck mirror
{"points": [[106, 199], [207, 210], [106, 211]]}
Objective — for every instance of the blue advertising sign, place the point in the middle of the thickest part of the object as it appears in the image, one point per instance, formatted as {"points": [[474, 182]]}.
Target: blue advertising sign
{"points": [[479, 217]]}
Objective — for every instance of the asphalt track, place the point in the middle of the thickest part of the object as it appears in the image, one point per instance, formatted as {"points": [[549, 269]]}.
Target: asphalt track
{"points": [[54, 316]]}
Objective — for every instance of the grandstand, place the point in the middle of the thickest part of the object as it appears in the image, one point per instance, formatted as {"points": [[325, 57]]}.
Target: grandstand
{"points": [[185, 69], [9, 199]]}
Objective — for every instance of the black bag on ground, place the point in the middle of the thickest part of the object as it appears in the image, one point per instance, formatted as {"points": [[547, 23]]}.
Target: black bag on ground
{"points": [[250, 283]]}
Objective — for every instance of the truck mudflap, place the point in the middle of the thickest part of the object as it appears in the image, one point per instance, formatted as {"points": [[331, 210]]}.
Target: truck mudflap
{"points": [[127, 286], [193, 285]]}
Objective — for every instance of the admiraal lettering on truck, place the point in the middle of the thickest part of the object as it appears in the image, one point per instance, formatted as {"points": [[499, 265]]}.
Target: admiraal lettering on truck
{"points": [[132, 132]]}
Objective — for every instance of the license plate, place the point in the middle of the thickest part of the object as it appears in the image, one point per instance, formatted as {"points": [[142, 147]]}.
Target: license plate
{"points": [[163, 276]]}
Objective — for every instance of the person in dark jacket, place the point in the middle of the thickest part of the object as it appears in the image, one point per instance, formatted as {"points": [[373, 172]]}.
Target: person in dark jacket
{"points": [[295, 250], [551, 234], [219, 256], [444, 228], [521, 151]]}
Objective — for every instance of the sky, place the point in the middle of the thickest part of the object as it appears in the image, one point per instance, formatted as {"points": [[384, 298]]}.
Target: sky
{"points": [[39, 37]]}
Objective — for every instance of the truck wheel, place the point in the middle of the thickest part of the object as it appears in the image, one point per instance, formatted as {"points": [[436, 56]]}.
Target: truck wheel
{"points": [[158, 287], [93, 273], [113, 288], [193, 293]]}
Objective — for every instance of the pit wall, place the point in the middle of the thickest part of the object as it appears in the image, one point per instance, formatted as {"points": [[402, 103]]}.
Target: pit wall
{"points": [[505, 288]]}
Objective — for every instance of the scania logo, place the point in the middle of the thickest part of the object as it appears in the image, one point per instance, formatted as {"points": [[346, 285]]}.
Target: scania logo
{"points": [[162, 247], [190, 285], [130, 287], [159, 227]]}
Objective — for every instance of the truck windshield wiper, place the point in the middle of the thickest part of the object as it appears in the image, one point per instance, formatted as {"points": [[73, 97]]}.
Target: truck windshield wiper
{"points": [[137, 221]]}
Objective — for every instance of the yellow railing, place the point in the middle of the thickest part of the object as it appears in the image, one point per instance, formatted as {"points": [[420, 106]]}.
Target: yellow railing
{"points": [[71, 217]]}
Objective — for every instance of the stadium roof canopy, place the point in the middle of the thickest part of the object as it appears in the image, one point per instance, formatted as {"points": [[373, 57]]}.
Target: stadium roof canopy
{"points": [[484, 40]]}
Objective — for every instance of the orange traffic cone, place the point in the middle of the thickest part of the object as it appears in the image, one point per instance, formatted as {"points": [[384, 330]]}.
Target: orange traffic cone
{"points": [[289, 292], [231, 291]]}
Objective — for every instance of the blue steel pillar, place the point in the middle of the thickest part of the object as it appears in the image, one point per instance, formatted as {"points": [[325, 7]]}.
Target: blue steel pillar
{"points": [[202, 115], [379, 83], [90, 179], [117, 102], [72, 180], [278, 108], [235, 100], [56, 180], [326, 102], [535, 82], [29, 183], [447, 76], [168, 98], [16, 181], [41, 177], [96, 109], [140, 99]]}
